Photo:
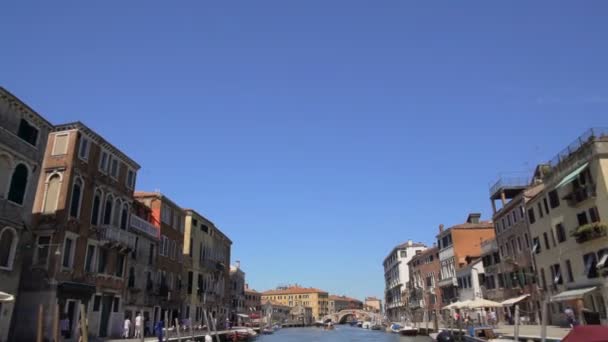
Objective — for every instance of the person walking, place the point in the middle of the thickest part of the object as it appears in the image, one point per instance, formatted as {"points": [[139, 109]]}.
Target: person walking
{"points": [[158, 330], [138, 325], [570, 316], [65, 327], [126, 327]]}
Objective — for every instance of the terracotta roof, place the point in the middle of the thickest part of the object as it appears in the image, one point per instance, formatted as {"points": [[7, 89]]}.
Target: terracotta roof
{"points": [[424, 253], [343, 298], [371, 298], [252, 291], [293, 290], [480, 225], [273, 303]]}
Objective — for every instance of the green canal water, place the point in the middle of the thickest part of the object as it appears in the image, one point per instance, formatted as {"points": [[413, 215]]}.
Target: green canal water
{"points": [[342, 333]]}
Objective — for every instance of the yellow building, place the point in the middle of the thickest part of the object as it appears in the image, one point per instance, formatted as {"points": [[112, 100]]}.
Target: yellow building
{"points": [[293, 296]]}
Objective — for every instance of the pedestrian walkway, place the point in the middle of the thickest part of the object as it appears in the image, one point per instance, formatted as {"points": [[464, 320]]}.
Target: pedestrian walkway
{"points": [[530, 331]]}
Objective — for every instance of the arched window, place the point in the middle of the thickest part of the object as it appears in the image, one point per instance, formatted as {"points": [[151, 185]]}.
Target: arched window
{"points": [[116, 218], [16, 191], [124, 215], [5, 173], [51, 198], [96, 208], [76, 195], [8, 246], [107, 212]]}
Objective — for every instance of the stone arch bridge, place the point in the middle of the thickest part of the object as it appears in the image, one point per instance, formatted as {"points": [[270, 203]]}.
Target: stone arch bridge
{"points": [[360, 315]]}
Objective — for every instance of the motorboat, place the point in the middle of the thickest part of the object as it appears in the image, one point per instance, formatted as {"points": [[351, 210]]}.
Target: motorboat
{"points": [[395, 327], [377, 326], [329, 326], [366, 325], [267, 331], [359, 324], [408, 331]]}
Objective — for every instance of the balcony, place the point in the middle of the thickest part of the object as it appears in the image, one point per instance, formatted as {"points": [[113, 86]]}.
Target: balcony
{"points": [[117, 238], [510, 185], [590, 232], [580, 194], [567, 154], [140, 225], [450, 281], [212, 265]]}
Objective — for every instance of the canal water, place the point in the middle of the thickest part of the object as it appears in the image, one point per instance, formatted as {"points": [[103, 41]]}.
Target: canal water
{"points": [[342, 333]]}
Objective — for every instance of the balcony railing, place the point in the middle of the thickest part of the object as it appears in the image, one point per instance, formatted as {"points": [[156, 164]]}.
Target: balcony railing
{"points": [[143, 226], [119, 237], [581, 194], [590, 135], [509, 182]]}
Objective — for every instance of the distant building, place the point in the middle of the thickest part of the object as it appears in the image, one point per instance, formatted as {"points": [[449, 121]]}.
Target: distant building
{"points": [[237, 293], [293, 296], [456, 244], [23, 139], [396, 276], [373, 304], [279, 313], [301, 314], [424, 294], [253, 300], [339, 303]]}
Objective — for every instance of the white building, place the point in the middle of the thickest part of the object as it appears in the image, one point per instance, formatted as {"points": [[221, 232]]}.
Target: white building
{"points": [[396, 276]]}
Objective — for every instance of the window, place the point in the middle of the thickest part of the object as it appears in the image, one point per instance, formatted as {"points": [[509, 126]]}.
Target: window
{"points": [[546, 238], [527, 240], [96, 208], [96, 303], [16, 191], [602, 256], [542, 279], [8, 247], [194, 222], [103, 162], [102, 260], [403, 254], [107, 212], [531, 217], [166, 247], [120, 265], [553, 199], [114, 168], [190, 280], [590, 265], [501, 281], [90, 258], [536, 245], [27, 132], [582, 218], [204, 228], [556, 274], [519, 247], [117, 212], [68, 252], [83, 151], [594, 216], [151, 254], [130, 179], [561, 233], [165, 214], [569, 271], [116, 304], [60, 145], [508, 221], [546, 205], [124, 215], [76, 195], [41, 255], [540, 210], [134, 253], [173, 250], [51, 197], [514, 217]]}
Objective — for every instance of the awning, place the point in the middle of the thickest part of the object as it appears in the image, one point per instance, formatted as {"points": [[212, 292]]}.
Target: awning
{"points": [[572, 176], [572, 294], [515, 300]]}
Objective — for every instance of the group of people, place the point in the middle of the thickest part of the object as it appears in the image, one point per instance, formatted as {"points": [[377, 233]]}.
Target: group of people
{"points": [[139, 327]]}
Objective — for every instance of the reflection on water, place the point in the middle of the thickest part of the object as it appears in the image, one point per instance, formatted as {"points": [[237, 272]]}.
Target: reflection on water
{"points": [[342, 333]]}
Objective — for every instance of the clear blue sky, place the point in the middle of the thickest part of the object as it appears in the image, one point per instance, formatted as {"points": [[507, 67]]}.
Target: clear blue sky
{"points": [[317, 134]]}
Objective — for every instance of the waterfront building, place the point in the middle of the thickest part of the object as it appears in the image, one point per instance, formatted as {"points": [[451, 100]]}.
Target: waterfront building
{"points": [[253, 300], [301, 314], [373, 304], [296, 295], [81, 237], [140, 293], [168, 219], [424, 293], [510, 274], [237, 293], [279, 313], [568, 229], [396, 277], [455, 244], [207, 254], [23, 139], [339, 303]]}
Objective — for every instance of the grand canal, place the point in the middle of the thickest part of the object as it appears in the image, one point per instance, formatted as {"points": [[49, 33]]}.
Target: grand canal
{"points": [[342, 333]]}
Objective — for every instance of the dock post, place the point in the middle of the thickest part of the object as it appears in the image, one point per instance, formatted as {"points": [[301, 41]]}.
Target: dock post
{"points": [[84, 324], [39, 329], [179, 335], [543, 327], [516, 327], [166, 332], [56, 323]]}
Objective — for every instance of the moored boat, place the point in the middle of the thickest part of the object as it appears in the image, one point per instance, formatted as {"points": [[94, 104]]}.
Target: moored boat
{"points": [[408, 331]]}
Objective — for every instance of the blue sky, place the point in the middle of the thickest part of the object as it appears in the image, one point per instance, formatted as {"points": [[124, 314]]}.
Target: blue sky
{"points": [[317, 134]]}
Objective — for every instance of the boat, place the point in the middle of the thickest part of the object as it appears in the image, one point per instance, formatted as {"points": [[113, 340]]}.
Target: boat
{"points": [[377, 326], [352, 323], [359, 323], [239, 335], [395, 327], [408, 331], [329, 326], [267, 331], [276, 327], [366, 325]]}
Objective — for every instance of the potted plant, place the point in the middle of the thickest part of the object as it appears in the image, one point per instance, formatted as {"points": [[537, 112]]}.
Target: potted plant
{"points": [[590, 231]]}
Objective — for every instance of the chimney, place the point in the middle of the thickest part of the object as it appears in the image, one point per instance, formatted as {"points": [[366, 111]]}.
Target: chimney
{"points": [[409, 242], [441, 228], [246, 286], [237, 264], [473, 218]]}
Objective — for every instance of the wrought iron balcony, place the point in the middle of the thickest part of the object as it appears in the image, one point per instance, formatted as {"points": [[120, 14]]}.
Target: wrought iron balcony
{"points": [[118, 238], [580, 194]]}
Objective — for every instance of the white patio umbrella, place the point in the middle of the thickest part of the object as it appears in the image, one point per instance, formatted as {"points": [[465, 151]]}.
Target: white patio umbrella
{"points": [[5, 297], [479, 303]]}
